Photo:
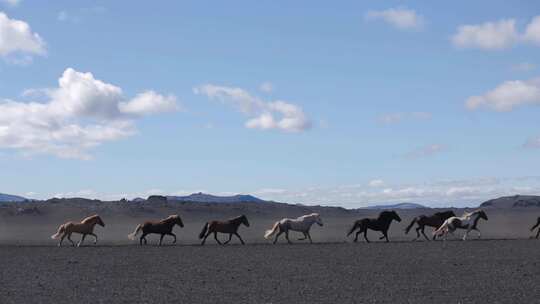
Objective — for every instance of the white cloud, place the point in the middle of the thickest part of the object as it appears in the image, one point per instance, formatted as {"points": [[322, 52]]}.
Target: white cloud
{"points": [[490, 35], [279, 115], [426, 151], [400, 18], [266, 87], [391, 118], [533, 143], [376, 183], [17, 39], [524, 67], [81, 113], [507, 96], [12, 3], [532, 32]]}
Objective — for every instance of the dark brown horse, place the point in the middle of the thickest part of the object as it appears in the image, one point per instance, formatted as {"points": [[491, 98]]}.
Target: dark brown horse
{"points": [[537, 225], [435, 221], [229, 226], [163, 227], [382, 223]]}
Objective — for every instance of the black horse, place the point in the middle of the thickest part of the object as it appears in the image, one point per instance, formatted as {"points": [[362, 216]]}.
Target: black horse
{"points": [[537, 225], [382, 223], [435, 220]]}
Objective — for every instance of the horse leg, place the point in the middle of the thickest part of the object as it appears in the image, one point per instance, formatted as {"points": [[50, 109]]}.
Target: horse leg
{"points": [[81, 241], [365, 235], [479, 233], [386, 236], [215, 237], [356, 237], [95, 237], [230, 237], [69, 238], [277, 235], [305, 237], [173, 235], [61, 240], [309, 237], [204, 239], [287, 236], [161, 239], [141, 239], [538, 233], [240, 238], [418, 229], [465, 234]]}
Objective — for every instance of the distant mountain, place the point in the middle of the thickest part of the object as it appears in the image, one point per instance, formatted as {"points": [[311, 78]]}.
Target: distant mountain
{"points": [[208, 198], [11, 198], [397, 206], [515, 201]]}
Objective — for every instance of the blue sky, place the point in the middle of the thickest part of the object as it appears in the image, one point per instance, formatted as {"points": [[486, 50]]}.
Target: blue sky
{"points": [[345, 104]]}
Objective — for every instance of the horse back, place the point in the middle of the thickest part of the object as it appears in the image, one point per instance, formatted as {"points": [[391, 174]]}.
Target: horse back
{"points": [[223, 227], [156, 227]]}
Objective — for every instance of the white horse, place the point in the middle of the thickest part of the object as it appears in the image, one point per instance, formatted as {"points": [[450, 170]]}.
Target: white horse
{"points": [[301, 224], [468, 221]]}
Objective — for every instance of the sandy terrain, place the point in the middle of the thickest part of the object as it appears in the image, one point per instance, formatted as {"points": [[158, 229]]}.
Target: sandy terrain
{"points": [[486, 271]]}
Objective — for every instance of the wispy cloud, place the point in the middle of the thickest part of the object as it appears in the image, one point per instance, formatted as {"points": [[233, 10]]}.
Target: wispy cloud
{"points": [[507, 96], [391, 118], [400, 18], [426, 151]]}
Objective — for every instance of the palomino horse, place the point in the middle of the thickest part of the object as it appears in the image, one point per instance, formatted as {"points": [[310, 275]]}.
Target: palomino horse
{"points": [[468, 221], [435, 220], [537, 225], [302, 224], [163, 227], [85, 227], [229, 226], [382, 224]]}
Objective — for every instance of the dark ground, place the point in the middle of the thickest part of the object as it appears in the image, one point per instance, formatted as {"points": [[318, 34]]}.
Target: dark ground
{"points": [[475, 271]]}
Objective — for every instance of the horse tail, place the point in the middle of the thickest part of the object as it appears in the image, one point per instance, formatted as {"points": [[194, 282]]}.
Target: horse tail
{"points": [[132, 235], [203, 231], [354, 227], [443, 227], [410, 225], [58, 233], [268, 234]]}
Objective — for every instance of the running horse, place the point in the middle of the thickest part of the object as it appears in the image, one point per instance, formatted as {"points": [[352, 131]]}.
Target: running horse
{"points": [[302, 224], [435, 221], [381, 223], [468, 221], [85, 227], [229, 226], [537, 225], [162, 227]]}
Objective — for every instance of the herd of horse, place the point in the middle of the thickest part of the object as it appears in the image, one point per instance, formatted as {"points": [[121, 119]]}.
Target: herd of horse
{"points": [[443, 224]]}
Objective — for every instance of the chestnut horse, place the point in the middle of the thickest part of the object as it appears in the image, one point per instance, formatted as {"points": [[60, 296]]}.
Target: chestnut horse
{"points": [[85, 227], [163, 227], [537, 225], [229, 226], [381, 223], [435, 221]]}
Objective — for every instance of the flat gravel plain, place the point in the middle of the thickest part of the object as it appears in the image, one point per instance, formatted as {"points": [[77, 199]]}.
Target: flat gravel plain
{"points": [[476, 271]]}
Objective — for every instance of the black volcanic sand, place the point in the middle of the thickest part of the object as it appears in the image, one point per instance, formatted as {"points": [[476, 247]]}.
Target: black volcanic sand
{"points": [[476, 271]]}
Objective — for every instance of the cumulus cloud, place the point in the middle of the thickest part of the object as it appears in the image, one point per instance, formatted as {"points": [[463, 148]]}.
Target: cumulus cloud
{"points": [[81, 113], [507, 96], [264, 115], [17, 39], [401, 18], [496, 35]]}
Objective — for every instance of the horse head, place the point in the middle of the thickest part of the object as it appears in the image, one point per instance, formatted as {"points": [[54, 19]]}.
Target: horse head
{"points": [[244, 220], [99, 221], [392, 215], [318, 219], [177, 220], [482, 214]]}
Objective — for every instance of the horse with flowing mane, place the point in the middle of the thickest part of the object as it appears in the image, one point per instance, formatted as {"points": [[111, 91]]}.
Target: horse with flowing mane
{"points": [[435, 221], [381, 223], [468, 221], [229, 226], [537, 225], [162, 227], [85, 227], [301, 224]]}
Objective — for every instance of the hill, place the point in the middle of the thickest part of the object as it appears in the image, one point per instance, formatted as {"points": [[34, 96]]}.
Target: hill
{"points": [[515, 201], [11, 198], [208, 198], [400, 206]]}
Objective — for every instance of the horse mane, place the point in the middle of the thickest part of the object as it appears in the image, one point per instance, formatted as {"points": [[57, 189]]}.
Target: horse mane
{"points": [[385, 212], [169, 218], [87, 219]]}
